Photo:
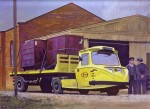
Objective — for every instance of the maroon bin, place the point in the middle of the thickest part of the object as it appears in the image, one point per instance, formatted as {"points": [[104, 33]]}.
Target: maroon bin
{"points": [[66, 44], [32, 54]]}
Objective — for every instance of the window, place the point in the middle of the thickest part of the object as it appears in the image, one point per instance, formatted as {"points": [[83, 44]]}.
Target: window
{"points": [[84, 59], [11, 54], [105, 58]]}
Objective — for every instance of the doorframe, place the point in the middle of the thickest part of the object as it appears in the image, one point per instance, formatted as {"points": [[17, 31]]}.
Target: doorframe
{"points": [[148, 63]]}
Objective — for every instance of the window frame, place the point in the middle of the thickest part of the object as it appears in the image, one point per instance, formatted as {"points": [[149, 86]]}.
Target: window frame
{"points": [[87, 59], [11, 54], [104, 64]]}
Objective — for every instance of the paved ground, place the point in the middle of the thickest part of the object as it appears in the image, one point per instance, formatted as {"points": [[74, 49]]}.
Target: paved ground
{"points": [[95, 100]]}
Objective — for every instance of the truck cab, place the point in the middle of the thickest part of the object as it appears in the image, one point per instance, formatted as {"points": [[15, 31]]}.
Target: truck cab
{"points": [[99, 68]]}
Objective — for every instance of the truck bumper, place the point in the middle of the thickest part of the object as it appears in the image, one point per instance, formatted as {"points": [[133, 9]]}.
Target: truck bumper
{"points": [[108, 83]]}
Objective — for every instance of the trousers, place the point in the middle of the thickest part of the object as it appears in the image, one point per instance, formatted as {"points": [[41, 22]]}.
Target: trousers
{"points": [[132, 87], [141, 86]]}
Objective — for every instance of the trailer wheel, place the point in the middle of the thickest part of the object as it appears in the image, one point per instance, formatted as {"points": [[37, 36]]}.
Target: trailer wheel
{"points": [[84, 92], [45, 85], [21, 85], [56, 86], [112, 91]]}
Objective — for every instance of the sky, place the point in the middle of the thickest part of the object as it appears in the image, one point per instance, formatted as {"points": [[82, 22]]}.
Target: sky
{"points": [[106, 9]]}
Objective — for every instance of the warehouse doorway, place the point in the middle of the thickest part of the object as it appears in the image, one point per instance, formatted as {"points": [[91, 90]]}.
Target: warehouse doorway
{"points": [[148, 63], [121, 46]]}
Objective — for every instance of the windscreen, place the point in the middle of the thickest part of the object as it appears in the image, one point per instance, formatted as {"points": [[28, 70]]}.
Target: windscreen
{"points": [[105, 58]]}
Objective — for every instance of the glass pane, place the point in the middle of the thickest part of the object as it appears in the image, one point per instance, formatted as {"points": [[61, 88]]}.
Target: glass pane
{"points": [[105, 58], [84, 59]]}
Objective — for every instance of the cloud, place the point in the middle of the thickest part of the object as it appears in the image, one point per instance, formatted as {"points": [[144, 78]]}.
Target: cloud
{"points": [[106, 9], [6, 15], [110, 9]]}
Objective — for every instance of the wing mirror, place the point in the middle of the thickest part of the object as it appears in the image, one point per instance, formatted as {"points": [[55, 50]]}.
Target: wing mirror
{"points": [[80, 58]]}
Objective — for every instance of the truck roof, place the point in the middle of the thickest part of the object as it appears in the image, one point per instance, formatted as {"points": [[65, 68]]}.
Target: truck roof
{"points": [[97, 48]]}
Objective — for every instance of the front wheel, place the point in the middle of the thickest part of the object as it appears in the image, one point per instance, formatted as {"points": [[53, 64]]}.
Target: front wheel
{"points": [[112, 91], [22, 86], [56, 86]]}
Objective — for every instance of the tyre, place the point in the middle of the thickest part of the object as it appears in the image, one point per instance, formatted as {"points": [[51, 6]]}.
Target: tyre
{"points": [[21, 85], [56, 86], [112, 91], [45, 85], [84, 92]]}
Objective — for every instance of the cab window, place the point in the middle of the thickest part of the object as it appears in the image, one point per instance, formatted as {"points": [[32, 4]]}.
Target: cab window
{"points": [[84, 59], [105, 58]]}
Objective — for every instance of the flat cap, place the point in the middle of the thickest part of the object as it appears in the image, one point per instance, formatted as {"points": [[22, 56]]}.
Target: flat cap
{"points": [[140, 59], [131, 59]]}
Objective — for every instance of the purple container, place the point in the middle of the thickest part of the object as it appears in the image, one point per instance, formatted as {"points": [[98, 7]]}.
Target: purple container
{"points": [[66, 44], [32, 54]]}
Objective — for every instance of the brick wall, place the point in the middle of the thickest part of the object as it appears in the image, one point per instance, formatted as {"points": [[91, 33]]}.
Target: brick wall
{"points": [[2, 62], [8, 68], [63, 18]]}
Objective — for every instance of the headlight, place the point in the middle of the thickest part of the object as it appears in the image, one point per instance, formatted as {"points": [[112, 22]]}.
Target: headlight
{"points": [[114, 69], [119, 70], [111, 69]]}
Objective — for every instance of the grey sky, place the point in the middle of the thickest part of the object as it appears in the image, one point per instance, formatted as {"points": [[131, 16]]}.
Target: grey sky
{"points": [[106, 9]]}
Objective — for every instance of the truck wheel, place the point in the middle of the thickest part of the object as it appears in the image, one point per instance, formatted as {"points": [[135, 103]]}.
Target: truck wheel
{"points": [[21, 85], [56, 86], [112, 91], [84, 92], [45, 85]]}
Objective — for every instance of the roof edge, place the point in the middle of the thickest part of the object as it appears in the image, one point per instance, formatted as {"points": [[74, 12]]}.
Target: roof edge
{"points": [[113, 20], [62, 7]]}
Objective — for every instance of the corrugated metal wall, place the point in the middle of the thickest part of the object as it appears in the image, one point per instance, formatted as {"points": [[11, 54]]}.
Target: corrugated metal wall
{"points": [[140, 49]]}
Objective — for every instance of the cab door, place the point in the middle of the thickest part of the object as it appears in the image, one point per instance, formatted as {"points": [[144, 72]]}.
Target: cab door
{"points": [[83, 74]]}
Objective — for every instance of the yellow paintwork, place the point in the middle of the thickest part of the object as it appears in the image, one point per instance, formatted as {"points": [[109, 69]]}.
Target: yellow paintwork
{"points": [[101, 73], [70, 64], [69, 83], [65, 64]]}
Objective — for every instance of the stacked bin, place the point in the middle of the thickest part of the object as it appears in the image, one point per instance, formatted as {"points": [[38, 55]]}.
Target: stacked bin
{"points": [[32, 54], [66, 44]]}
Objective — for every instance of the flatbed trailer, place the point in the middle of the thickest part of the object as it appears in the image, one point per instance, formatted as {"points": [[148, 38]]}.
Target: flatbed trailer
{"points": [[82, 73]]}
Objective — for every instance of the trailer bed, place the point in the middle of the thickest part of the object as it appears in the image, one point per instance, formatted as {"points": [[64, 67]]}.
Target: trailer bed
{"points": [[66, 64]]}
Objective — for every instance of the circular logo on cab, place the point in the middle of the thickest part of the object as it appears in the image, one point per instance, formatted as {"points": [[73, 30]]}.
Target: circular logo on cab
{"points": [[84, 74]]}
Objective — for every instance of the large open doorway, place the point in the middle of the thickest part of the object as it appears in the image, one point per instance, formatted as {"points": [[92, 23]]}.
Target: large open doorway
{"points": [[148, 63], [121, 46]]}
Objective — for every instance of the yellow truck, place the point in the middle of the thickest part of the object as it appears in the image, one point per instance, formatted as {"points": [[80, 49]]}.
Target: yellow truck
{"points": [[95, 69]]}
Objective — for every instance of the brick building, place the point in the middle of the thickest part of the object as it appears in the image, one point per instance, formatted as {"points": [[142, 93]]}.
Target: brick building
{"points": [[63, 18]]}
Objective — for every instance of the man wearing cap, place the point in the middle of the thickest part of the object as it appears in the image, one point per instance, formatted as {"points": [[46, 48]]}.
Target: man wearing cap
{"points": [[142, 73], [132, 76]]}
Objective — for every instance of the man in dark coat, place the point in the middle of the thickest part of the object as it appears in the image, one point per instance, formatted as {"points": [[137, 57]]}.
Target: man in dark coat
{"points": [[142, 73], [132, 76]]}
